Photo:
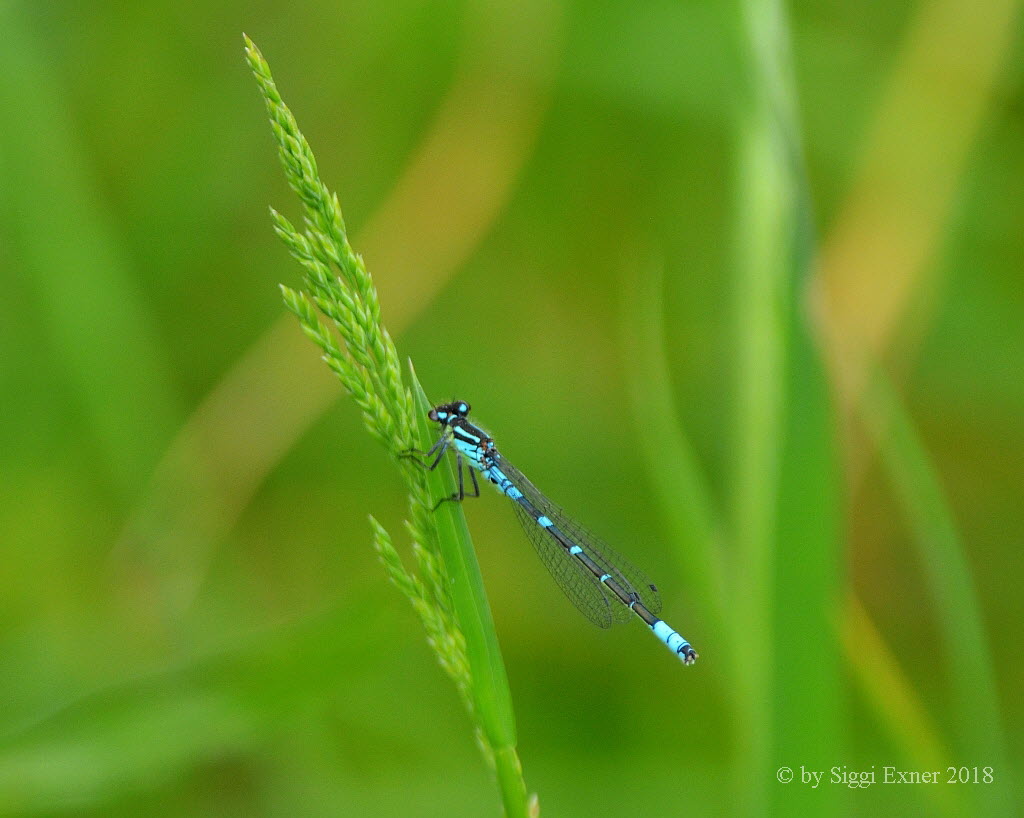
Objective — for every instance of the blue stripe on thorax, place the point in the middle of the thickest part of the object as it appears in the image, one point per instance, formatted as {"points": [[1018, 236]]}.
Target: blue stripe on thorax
{"points": [[471, 451]]}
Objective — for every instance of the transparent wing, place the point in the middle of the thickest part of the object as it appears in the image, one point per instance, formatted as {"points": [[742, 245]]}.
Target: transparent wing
{"points": [[625, 573], [584, 590]]}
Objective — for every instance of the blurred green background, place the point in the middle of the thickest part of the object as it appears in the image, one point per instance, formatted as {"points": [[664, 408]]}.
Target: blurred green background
{"points": [[192, 620]]}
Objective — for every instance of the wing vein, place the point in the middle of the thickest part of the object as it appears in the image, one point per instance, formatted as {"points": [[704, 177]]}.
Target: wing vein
{"points": [[582, 588]]}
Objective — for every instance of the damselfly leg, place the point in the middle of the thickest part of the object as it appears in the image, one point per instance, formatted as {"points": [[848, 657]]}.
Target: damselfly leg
{"points": [[421, 459]]}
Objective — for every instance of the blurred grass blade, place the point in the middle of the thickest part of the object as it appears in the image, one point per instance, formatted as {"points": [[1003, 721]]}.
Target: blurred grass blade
{"points": [[98, 328], [489, 683], [887, 689], [204, 708], [919, 150], [678, 485], [756, 442], [974, 715], [784, 510]]}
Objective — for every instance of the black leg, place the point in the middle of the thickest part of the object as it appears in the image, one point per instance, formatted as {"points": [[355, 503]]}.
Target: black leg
{"points": [[460, 495], [440, 447]]}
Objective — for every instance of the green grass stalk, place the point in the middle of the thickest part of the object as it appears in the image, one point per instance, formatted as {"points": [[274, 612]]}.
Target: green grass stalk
{"points": [[447, 591], [785, 494]]}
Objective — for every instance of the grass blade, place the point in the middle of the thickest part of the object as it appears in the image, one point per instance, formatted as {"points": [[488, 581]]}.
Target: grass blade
{"points": [[784, 504], [488, 680], [974, 715], [887, 689]]}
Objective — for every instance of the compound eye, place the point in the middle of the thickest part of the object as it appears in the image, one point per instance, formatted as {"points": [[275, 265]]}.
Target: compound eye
{"points": [[432, 414]]}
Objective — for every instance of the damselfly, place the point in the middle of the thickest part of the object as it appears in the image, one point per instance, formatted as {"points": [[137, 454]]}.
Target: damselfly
{"points": [[605, 587]]}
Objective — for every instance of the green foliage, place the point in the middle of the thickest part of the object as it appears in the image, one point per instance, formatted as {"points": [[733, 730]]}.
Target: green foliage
{"points": [[192, 623]]}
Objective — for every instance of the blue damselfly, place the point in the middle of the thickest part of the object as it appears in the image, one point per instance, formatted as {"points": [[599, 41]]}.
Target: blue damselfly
{"points": [[603, 585]]}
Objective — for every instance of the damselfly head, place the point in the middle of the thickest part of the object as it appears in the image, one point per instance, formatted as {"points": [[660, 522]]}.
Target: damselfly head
{"points": [[447, 411]]}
